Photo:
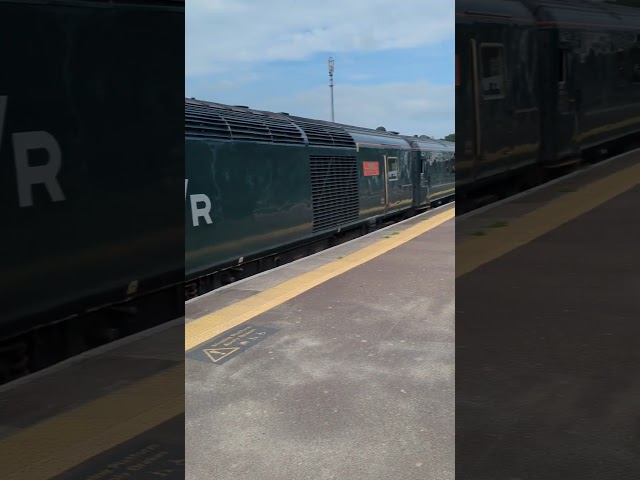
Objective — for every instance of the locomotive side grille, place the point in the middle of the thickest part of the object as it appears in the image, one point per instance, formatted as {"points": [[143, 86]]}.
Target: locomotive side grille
{"points": [[206, 121], [334, 189], [326, 135]]}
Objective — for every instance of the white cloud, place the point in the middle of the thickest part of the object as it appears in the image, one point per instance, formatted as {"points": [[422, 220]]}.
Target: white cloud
{"points": [[220, 34], [409, 108]]}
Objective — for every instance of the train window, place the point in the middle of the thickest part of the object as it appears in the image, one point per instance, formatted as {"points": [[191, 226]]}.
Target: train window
{"points": [[423, 165], [492, 71], [392, 163], [562, 65]]}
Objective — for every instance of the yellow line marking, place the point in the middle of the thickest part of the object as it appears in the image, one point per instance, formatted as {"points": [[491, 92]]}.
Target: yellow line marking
{"points": [[480, 250], [204, 328], [57, 444]]}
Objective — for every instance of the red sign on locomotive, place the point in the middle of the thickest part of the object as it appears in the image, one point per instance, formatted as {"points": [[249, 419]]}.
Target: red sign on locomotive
{"points": [[371, 169]]}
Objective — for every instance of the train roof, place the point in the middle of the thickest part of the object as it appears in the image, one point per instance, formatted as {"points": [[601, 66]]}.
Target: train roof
{"points": [[490, 11], [360, 134], [216, 120], [226, 122], [549, 13], [430, 144], [586, 13]]}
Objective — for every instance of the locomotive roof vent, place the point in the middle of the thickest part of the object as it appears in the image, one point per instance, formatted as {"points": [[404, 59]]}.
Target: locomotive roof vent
{"points": [[241, 106], [284, 113], [210, 121], [324, 133], [393, 133]]}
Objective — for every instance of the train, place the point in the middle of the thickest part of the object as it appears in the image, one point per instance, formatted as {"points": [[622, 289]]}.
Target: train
{"points": [[541, 86], [91, 169], [261, 187]]}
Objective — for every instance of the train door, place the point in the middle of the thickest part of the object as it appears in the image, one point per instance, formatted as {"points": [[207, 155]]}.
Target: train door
{"points": [[425, 180], [493, 118], [392, 187], [565, 117], [436, 170]]}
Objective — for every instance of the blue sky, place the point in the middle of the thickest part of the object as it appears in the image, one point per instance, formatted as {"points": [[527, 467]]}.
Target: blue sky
{"points": [[394, 63]]}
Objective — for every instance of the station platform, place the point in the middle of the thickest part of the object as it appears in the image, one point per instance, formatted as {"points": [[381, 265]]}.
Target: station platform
{"points": [[339, 365], [116, 412], [547, 329]]}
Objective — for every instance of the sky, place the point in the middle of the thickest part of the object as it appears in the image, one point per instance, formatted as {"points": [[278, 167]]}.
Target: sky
{"points": [[394, 60]]}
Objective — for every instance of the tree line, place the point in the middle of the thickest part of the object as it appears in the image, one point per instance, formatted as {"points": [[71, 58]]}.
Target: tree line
{"points": [[449, 138]]}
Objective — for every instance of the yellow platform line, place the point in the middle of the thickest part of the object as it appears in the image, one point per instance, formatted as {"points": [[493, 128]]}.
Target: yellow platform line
{"points": [[481, 250], [208, 326], [57, 444]]}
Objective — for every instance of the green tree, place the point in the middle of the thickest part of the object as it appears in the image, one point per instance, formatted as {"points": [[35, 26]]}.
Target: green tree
{"points": [[450, 138], [381, 129]]}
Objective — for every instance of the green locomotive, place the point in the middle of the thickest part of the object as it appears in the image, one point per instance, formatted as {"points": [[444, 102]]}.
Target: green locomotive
{"points": [[93, 229], [260, 183]]}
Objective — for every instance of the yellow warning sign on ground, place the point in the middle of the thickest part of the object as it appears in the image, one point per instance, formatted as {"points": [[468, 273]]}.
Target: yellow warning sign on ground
{"points": [[227, 345], [217, 354]]}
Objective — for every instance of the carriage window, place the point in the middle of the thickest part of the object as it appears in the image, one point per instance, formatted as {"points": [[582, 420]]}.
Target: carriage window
{"points": [[393, 168], [492, 72], [425, 159], [562, 66]]}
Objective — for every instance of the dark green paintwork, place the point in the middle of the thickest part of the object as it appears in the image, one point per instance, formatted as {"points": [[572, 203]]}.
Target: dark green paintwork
{"points": [[105, 80], [372, 189], [492, 139], [260, 195], [568, 84], [434, 165]]}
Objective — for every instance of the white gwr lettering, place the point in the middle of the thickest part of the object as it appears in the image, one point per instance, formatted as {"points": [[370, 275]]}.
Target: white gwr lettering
{"points": [[198, 212], [32, 175], [28, 175]]}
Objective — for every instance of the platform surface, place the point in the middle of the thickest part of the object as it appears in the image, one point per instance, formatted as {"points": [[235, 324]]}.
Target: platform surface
{"points": [[353, 378], [113, 413], [547, 329]]}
